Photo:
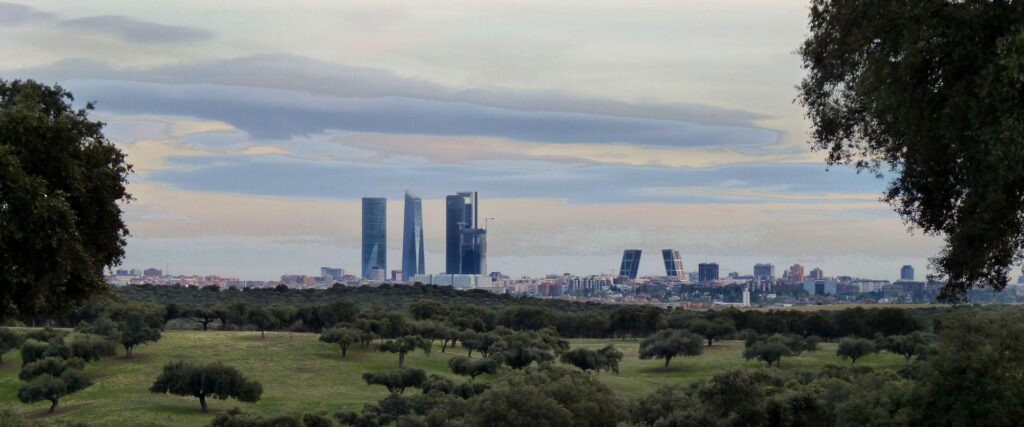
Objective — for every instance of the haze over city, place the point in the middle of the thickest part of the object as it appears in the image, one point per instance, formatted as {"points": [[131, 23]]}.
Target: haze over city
{"points": [[587, 128]]}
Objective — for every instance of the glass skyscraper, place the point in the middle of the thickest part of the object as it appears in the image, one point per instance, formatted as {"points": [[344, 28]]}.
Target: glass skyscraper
{"points": [[630, 263], [465, 242], [375, 237], [412, 238], [707, 272], [673, 262]]}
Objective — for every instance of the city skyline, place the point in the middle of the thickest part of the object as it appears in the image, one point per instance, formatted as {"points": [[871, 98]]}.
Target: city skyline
{"points": [[688, 140]]}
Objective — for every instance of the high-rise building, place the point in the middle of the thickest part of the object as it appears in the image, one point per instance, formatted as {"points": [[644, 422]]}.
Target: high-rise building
{"points": [[707, 272], [816, 274], [907, 273], [796, 274], [673, 263], [630, 263], [460, 213], [413, 258], [375, 237], [465, 241], [764, 271]]}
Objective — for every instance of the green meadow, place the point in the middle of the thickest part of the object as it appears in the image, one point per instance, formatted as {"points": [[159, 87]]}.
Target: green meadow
{"points": [[301, 374]]}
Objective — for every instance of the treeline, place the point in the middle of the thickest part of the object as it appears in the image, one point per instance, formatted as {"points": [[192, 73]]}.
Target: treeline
{"points": [[567, 320]]}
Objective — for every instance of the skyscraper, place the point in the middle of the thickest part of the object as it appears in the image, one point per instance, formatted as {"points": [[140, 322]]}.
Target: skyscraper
{"points": [[630, 263], [375, 249], [413, 258], [764, 271], [907, 273], [796, 274], [707, 272], [673, 262], [465, 241], [816, 274]]}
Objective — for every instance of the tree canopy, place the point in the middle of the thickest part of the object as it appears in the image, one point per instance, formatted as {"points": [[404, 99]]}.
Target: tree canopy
{"points": [[928, 94], [215, 380], [669, 343], [62, 184]]}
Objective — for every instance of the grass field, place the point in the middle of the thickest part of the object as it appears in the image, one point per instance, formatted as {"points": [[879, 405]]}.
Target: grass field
{"points": [[300, 374]]}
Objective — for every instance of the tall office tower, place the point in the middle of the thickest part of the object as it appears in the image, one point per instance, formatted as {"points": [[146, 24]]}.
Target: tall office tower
{"points": [[413, 262], [375, 235], [816, 274], [460, 213], [707, 272], [473, 244], [907, 273], [764, 271], [630, 263], [673, 263], [796, 273]]}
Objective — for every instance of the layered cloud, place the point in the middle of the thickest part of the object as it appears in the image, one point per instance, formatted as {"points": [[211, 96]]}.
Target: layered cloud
{"points": [[117, 26]]}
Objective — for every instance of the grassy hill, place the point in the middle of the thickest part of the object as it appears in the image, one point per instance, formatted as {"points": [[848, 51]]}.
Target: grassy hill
{"points": [[300, 374]]}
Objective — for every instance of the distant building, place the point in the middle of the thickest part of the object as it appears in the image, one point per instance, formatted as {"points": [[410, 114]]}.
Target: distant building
{"points": [[907, 273], [820, 286], [795, 274], [377, 273], [707, 272], [465, 241], [455, 280], [396, 275], [816, 274], [375, 237], [673, 263], [135, 272], [630, 263], [121, 273], [329, 274], [865, 286], [152, 272], [413, 257], [764, 271]]}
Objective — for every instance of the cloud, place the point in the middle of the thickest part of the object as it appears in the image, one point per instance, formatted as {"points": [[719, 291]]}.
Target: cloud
{"points": [[276, 114], [298, 73], [120, 27]]}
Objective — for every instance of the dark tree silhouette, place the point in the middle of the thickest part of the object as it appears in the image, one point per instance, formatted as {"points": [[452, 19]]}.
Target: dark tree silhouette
{"points": [[215, 380]]}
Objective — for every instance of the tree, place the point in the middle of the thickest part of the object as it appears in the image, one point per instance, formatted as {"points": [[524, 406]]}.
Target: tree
{"points": [[519, 349], [133, 331], [635, 320], [203, 316], [403, 345], [90, 347], [215, 380], [769, 350], [9, 340], [855, 348], [343, 337], [262, 319], [32, 350], [798, 344], [62, 184], [479, 341], [426, 309], [607, 358], [908, 346], [50, 379], [472, 367], [669, 343], [712, 329], [929, 94], [396, 381]]}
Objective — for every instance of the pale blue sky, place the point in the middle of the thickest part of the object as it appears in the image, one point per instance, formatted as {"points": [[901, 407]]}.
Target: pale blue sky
{"points": [[587, 127]]}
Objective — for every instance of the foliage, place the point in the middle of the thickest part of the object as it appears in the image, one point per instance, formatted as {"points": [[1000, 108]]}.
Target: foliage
{"points": [[62, 184], [635, 321], [606, 358], [53, 366], [236, 418], [91, 347], [712, 329], [215, 380], [855, 348], [769, 350], [398, 380], [51, 388], [472, 367], [343, 337], [519, 349], [32, 350], [669, 343], [928, 94], [9, 340], [916, 344], [403, 345]]}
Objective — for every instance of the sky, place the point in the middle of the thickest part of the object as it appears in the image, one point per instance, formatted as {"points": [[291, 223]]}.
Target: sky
{"points": [[588, 127]]}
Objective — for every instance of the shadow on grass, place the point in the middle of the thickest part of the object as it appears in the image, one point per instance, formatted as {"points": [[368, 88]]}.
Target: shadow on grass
{"points": [[670, 369], [61, 410]]}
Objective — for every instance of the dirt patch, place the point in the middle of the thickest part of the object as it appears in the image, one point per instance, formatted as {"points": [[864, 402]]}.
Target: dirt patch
{"points": [[61, 410]]}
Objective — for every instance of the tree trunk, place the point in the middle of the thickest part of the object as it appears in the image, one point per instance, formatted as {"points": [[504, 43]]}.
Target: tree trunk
{"points": [[343, 351], [401, 359], [470, 355], [444, 345], [263, 334], [128, 352], [202, 402], [709, 342], [53, 406], [667, 359]]}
